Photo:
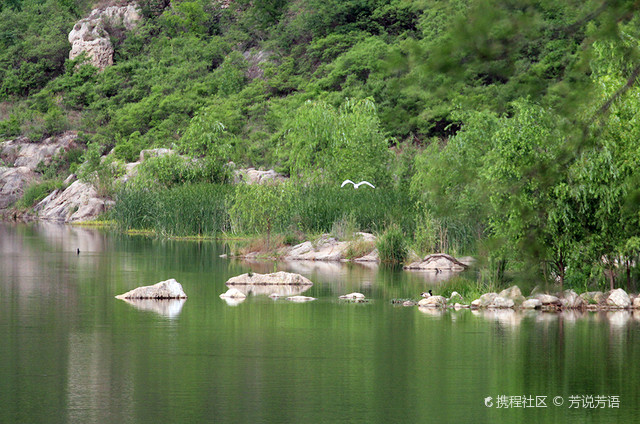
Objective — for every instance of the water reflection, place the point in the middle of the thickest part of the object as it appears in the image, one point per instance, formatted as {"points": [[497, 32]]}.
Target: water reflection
{"points": [[169, 308]]}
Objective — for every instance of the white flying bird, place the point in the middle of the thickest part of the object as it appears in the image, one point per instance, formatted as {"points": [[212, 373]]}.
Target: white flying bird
{"points": [[345, 182]]}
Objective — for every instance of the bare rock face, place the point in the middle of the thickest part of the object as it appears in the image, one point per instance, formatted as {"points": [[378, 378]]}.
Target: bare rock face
{"points": [[79, 202], [13, 181], [255, 176], [438, 262], [21, 152], [90, 35], [169, 289]]}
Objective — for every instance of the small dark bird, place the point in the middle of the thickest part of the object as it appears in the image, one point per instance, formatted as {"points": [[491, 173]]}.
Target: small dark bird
{"points": [[78, 251], [250, 274]]}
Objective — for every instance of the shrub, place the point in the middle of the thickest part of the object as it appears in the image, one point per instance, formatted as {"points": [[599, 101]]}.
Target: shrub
{"points": [[35, 192], [392, 246]]}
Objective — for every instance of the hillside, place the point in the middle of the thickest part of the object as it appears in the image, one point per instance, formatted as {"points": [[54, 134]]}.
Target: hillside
{"points": [[503, 126]]}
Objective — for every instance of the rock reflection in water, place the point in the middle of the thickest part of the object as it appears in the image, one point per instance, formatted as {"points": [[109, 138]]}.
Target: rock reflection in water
{"points": [[506, 317], [282, 290], [169, 308]]}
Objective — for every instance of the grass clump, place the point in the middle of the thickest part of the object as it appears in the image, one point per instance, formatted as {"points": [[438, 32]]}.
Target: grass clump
{"points": [[37, 191], [392, 245]]}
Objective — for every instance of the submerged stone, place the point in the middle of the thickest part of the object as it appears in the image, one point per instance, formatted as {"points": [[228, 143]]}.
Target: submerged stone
{"points": [[300, 299], [233, 293], [353, 296]]}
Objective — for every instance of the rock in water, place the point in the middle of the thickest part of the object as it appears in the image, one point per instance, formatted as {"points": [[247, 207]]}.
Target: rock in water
{"points": [[500, 302], [300, 299], [619, 299], [353, 296], [233, 293], [169, 289], [276, 278], [531, 304], [433, 302]]}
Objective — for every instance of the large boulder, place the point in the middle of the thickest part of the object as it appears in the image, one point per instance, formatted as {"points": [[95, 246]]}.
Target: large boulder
{"points": [[438, 262], [513, 293], [327, 248], [500, 302], [571, 300], [256, 176], [619, 299], [484, 301], [92, 35], [531, 304], [169, 289], [78, 202], [433, 302], [548, 300]]}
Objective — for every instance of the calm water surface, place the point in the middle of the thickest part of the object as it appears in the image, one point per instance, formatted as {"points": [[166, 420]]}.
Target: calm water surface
{"points": [[71, 353]]}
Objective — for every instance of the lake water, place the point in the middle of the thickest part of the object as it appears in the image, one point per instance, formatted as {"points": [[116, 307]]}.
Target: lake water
{"points": [[72, 353]]}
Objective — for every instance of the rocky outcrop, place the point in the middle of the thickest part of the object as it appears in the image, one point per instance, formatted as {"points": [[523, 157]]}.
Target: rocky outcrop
{"points": [[255, 176], [92, 35], [254, 60], [169, 289], [13, 182], [328, 248], [276, 278], [438, 262], [78, 202], [22, 152]]}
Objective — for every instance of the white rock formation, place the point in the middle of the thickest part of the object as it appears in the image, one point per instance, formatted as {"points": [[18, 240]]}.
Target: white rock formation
{"points": [[500, 302], [619, 299], [169, 289], [90, 36], [438, 262], [78, 202], [233, 293], [433, 302], [255, 176], [531, 304]]}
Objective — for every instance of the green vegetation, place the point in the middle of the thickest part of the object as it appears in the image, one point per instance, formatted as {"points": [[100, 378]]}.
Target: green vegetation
{"points": [[507, 130]]}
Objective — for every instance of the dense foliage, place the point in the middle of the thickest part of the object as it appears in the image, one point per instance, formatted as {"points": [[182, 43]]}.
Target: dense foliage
{"points": [[506, 129]]}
